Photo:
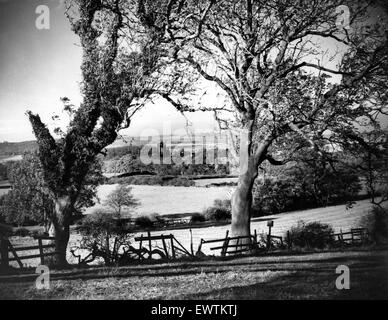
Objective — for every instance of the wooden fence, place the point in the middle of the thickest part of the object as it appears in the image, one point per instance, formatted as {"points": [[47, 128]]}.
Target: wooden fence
{"points": [[169, 249], [237, 244], [6, 248], [240, 244]]}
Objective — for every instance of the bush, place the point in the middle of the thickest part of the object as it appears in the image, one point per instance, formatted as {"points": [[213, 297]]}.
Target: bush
{"points": [[152, 181], [38, 233], [220, 211], [197, 217], [273, 196], [100, 232], [179, 182], [311, 235], [22, 232], [377, 224], [100, 223], [144, 222], [157, 219], [305, 185]]}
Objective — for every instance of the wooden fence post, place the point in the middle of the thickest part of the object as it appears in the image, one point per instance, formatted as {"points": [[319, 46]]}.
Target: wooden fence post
{"points": [[149, 243], [200, 246], [289, 243], [225, 245], [165, 247], [191, 242], [270, 225], [4, 252], [140, 246], [172, 246], [41, 251], [12, 249], [268, 241]]}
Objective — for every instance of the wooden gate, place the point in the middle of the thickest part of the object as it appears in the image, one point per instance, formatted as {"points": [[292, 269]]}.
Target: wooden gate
{"points": [[6, 248]]}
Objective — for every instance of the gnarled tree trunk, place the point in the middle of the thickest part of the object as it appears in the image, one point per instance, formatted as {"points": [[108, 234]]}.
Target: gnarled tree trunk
{"points": [[60, 230]]}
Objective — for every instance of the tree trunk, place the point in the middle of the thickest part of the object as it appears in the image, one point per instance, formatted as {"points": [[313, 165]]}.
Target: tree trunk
{"points": [[242, 197], [60, 229]]}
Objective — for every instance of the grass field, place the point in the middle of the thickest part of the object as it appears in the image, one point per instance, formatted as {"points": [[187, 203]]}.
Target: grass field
{"points": [[308, 276], [167, 199]]}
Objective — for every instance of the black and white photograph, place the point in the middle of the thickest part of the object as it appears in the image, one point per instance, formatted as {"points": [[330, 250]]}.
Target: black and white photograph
{"points": [[193, 150]]}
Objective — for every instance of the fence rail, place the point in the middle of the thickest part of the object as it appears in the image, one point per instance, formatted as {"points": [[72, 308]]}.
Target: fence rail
{"points": [[238, 245], [6, 248], [171, 247], [168, 242]]}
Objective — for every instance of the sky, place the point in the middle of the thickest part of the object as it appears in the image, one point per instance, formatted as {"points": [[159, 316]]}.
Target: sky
{"points": [[38, 67]]}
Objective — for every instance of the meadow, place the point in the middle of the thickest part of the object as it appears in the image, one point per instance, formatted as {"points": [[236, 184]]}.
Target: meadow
{"points": [[167, 199]]}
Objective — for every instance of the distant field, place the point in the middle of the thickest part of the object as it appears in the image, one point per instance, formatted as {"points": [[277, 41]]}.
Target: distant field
{"points": [[8, 158], [169, 200]]}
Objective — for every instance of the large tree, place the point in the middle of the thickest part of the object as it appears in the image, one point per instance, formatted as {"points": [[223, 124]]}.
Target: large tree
{"points": [[115, 76], [283, 85]]}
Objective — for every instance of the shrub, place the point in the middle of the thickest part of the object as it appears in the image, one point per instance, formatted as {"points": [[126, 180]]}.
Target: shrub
{"points": [[305, 185], [144, 222], [102, 236], [273, 196], [377, 224], [179, 182], [99, 221], [152, 181], [311, 235], [38, 233], [157, 219], [225, 204], [197, 217], [220, 211], [21, 232]]}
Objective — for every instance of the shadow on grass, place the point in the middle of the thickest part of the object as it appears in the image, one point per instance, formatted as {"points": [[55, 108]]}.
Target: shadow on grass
{"points": [[364, 284], [321, 265]]}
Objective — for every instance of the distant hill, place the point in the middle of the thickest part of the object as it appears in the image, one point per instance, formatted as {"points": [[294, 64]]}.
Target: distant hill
{"points": [[121, 146], [10, 149]]}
